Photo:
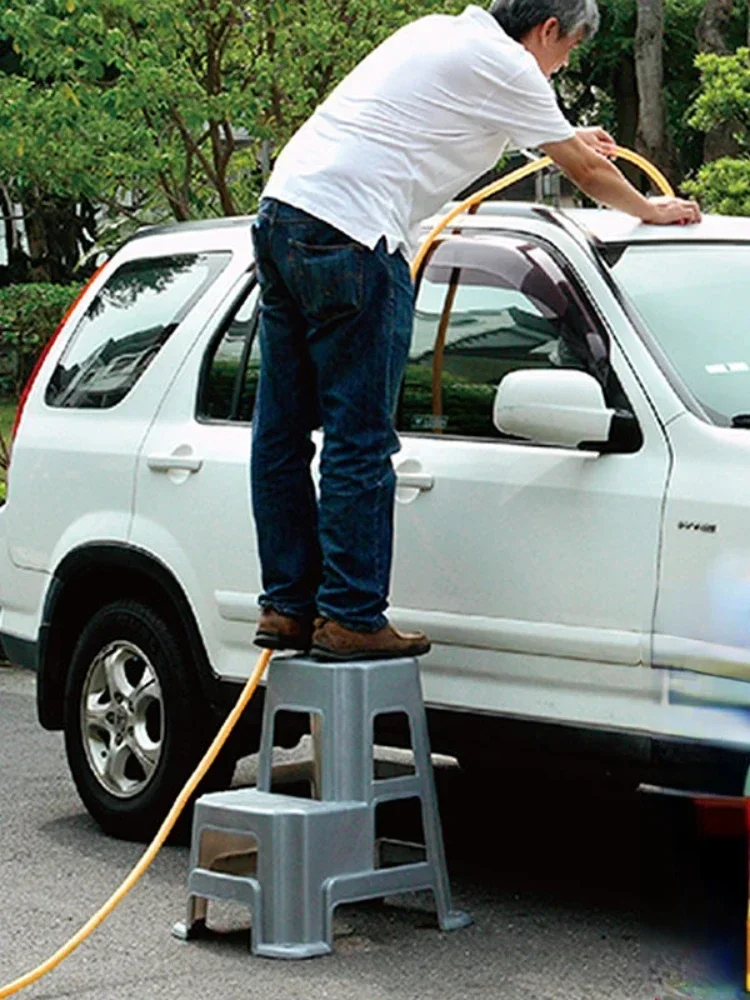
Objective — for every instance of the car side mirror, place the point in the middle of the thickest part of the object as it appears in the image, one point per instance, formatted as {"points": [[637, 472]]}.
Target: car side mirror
{"points": [[565, 408]]}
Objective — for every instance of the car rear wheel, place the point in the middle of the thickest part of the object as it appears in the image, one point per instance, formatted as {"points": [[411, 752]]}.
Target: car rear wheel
{"points": [[135, 722]]}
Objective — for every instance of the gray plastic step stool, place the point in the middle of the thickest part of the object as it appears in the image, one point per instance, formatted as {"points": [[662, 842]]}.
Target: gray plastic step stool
{"points": [[311, 854]]}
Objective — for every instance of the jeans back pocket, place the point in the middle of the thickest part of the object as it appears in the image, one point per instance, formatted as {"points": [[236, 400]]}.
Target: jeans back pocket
{"points": [[328, 279]]}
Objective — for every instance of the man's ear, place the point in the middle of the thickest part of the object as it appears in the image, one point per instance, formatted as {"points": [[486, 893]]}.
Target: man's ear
{"points": [[550, 30]]}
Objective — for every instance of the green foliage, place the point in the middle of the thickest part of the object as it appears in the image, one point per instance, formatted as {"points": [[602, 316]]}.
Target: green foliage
{"points": [[599, 58], [173, 107], [723, 186], [7, 415], [725, 93], [29, 315], [681, 76], [171, 100], [590, 85]]}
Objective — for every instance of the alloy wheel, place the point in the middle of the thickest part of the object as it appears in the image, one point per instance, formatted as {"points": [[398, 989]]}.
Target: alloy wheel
{"points": [[122, 719]]}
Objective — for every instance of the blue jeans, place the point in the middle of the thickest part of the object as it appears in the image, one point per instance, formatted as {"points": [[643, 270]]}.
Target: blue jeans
{"points": [[335, 328]]}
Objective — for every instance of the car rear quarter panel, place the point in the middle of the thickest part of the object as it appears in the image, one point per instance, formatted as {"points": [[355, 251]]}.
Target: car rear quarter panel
{"points": [[21, 594], [72, 477]]}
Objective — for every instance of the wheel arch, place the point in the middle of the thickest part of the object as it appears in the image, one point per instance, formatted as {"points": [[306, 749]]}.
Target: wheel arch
{"points": [[87, 579]]}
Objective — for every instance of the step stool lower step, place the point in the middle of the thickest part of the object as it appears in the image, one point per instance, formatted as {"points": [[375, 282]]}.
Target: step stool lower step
{"points": [[291, 861]]}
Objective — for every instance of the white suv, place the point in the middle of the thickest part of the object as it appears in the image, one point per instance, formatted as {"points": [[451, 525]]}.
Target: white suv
{"points": [[575, 541]]}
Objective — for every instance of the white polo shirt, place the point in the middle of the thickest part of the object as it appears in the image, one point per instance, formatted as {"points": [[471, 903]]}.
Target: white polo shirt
{"points": [[420, 118]]}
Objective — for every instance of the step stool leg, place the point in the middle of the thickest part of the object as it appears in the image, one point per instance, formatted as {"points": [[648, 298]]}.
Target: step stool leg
{"points": [[195, 924], [265, 752], [287, 923], [448, 918], [316, 734]]}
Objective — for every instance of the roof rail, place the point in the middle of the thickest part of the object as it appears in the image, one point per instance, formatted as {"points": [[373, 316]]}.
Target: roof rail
{"points": [[230, 222], [516, 210]]}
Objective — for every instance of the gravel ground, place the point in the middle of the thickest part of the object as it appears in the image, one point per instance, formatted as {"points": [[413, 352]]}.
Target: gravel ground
{"points": [[578, 891]]}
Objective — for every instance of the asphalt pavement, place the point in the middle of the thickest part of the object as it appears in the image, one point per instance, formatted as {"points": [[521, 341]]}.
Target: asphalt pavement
{"points": [[580, 889]]}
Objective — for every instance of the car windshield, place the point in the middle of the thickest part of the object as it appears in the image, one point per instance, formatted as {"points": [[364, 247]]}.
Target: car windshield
{"points": [[695, 301]]}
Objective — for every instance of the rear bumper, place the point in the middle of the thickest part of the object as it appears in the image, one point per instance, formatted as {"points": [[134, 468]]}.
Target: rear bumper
{"points": [[21, 600]]}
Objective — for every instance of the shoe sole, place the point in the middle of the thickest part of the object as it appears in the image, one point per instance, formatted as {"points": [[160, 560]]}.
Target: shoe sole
{"points": [[373, 654], [269, 640]]}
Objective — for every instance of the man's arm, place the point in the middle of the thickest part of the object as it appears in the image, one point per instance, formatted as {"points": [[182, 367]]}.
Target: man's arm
{"points": [[600, 179]]}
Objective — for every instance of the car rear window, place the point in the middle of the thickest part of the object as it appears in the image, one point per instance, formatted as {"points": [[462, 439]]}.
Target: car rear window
{"points": [[125, 326]]}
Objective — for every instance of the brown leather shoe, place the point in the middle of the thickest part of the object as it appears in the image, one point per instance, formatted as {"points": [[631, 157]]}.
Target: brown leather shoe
{"points": [[332, 641], [277, 631]]}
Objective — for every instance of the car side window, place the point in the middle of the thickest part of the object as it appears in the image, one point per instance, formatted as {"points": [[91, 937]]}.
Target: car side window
{"points": [[129, 320], [486, 307], [232, 367]]}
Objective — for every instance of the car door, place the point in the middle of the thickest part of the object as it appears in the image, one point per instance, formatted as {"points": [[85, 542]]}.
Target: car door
{"points": [[533, 568], [192, 507]]}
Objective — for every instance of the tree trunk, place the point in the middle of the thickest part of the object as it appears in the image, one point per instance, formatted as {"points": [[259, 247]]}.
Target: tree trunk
{"points": [[59, 231], [713, 25], [626, 111], [11, 235], [37, 237], [17, 268], [711, 33], [9, 226], [652, 138], [59, 217]]}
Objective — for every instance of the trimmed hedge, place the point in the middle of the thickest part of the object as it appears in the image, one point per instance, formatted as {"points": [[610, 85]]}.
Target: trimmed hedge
{"points": [[29, 315]]}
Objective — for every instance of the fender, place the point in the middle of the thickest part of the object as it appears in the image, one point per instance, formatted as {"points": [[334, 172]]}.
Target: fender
{"points": [[91, 576]]}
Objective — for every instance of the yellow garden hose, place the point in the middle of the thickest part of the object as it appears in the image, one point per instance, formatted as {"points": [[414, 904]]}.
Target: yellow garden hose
{"points": [[654, 174], [156, 844], [249, 690]]}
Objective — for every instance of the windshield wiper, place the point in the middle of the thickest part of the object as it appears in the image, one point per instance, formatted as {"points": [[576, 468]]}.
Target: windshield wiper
{"points": [[741, 420]]}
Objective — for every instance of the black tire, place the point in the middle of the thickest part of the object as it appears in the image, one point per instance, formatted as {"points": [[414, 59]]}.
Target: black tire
{"points": [[131, 801]]}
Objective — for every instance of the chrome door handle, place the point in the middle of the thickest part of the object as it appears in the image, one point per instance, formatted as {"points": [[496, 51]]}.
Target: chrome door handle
{"points": [[415, 480], [169, 463]]}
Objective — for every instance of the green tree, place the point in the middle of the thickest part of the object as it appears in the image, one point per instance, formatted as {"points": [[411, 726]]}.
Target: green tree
{"points": [[723, 185], [59, 229], [601, 84], [29, 315], [174, 106]]}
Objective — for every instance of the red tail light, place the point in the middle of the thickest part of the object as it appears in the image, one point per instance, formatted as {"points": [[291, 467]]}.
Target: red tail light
{"points": [[47, 348]]}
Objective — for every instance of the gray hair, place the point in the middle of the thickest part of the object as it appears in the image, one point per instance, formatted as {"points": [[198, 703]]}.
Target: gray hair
{"points": [[518, 17]]}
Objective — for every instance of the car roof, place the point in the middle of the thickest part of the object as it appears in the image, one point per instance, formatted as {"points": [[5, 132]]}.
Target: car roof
{"points": [[609, 226], [598, 225], [603, 225]]}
